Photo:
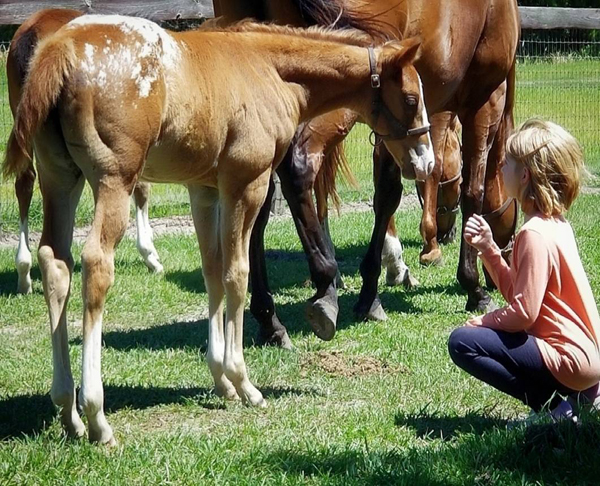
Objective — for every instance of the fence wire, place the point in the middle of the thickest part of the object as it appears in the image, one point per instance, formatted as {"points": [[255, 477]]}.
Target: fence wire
{"points": [[558, 78]]}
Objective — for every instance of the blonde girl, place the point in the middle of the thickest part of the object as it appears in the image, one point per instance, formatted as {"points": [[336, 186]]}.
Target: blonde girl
{"points": [[544, 342]]}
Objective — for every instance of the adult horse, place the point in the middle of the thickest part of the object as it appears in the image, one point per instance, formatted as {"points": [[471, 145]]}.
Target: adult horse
{"points": [[111, 99], [467, 64], [36, 28]]}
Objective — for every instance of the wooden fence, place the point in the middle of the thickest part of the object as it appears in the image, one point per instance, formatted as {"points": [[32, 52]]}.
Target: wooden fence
{"points": [[14, 12]]}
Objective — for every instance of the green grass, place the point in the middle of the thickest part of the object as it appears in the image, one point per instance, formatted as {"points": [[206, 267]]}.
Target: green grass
{"points": [[413, 419]]}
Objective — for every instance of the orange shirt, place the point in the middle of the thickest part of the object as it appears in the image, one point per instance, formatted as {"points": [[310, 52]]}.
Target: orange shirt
{"points": [[550, 298]]}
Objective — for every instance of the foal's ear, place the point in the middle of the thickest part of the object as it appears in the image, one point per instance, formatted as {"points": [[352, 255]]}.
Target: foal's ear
{"points": [[412, 49], [401, 53]]}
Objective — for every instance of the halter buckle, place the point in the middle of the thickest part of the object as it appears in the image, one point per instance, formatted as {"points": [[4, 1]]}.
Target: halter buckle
{"points": [[375, 81]]}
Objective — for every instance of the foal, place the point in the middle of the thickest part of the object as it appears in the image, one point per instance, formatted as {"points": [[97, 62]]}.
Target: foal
{"points": [[116, 99]]}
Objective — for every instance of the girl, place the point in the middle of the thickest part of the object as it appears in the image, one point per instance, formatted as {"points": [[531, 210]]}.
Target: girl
{"points": [[545, 342]]}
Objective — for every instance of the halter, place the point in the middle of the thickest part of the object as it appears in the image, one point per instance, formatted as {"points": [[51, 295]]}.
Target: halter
{"points": [[398, 130]]}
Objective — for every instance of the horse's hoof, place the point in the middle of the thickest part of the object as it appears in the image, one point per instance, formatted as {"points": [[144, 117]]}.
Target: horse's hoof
{"points": [[110, 443], [74, 428], [24, 287], [278, 338], [256, 400], [375, 312], [434, 257], [480, 306], [409, 281], [154, 265], [322, 316], [229, 394]]}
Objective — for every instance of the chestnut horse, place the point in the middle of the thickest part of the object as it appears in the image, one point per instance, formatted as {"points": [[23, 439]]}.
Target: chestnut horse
{"points": [[112, 99], [467, 64], [39, 26]]}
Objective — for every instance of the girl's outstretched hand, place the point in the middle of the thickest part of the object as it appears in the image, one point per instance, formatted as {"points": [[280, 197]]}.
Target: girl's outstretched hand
{"points": [[478, 233]]}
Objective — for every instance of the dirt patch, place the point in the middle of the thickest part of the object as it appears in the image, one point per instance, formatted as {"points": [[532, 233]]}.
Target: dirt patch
{"points": [[336, 363]]}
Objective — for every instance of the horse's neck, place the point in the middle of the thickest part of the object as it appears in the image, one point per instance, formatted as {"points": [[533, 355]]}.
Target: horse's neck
{"points": [[323, 75]]}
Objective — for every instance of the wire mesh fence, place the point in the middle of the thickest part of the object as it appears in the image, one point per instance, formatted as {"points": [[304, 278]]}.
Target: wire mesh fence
{"points": [[558, 78]]}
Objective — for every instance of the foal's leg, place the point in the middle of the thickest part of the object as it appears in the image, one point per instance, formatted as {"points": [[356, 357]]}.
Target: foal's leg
{"points": [[262, 306], [388, 192], [431, 253], [110, 221], [61, 184], [205, 212], [240, 205], [145, 245], [24, 191]]}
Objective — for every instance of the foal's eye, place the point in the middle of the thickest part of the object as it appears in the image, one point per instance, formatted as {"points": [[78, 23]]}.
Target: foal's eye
{"points": [[411, 101]]}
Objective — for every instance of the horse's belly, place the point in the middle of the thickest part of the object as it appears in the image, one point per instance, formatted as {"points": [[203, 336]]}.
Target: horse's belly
{"points": [[165, 164]]}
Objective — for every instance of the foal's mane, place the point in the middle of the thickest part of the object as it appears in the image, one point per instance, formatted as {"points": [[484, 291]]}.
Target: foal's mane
{"points": [[347, 36]]}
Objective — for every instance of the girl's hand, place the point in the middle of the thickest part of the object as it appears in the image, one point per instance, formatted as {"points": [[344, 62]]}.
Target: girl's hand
{"points": [[474, 321], [478, 233]]}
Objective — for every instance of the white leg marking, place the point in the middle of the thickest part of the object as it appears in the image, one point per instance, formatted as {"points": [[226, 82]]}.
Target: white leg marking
{"points": [[145, 244], [23, 259]]}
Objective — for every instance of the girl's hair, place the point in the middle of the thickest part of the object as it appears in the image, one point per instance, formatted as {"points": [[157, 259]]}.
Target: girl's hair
{"points": [[555, 162]]}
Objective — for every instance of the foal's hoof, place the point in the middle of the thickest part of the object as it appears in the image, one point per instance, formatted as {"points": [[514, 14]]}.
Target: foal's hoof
{"points": [[154, 264], [434, 257], [322, 316], [278, 338], [227, 392], [375, 312], [395, 279]]}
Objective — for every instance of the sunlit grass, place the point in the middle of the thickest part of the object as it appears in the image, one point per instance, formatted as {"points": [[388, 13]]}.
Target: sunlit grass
{"points": [[415, 419]]}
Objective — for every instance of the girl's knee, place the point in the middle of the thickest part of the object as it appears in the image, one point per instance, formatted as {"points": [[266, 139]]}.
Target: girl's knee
{"points": [[457, 342]]}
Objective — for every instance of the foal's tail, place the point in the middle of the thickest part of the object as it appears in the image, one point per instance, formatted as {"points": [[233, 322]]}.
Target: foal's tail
{"points": [[51, 64], [335, 161]]}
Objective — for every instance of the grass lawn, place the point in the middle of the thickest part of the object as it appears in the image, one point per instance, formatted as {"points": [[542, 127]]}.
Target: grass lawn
{"points": [[380, 404]]}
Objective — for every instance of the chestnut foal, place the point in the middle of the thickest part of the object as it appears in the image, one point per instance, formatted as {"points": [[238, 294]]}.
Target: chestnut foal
{"points": [[112, 99]]}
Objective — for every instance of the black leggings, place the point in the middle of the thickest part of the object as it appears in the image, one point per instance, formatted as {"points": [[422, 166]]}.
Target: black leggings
{"points": [[510, 362]]}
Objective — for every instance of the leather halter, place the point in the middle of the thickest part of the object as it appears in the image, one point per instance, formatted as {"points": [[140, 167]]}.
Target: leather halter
{"points": [[398, 130]]}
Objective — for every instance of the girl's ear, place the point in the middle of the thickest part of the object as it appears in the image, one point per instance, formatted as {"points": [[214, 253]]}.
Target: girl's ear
{"points": [[525, 176]]}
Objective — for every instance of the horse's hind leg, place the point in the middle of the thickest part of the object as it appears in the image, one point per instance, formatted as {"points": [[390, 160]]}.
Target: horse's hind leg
{"points": [[61, 184], [24, 191], [145, 244], [205, 212], [97, 266], [262, 306]]}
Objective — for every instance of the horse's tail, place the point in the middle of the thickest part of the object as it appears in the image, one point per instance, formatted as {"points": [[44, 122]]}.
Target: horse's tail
{"points": [[50, 65], [325, 187]]}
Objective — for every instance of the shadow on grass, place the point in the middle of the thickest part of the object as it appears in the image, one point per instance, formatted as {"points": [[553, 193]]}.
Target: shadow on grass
{"points": [[29, 415], [194, 334], [434, 426], [9, 279], [551, 454]]}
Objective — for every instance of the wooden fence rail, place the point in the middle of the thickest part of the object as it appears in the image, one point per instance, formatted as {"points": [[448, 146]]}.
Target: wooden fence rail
{"points": [[14, 12]]}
